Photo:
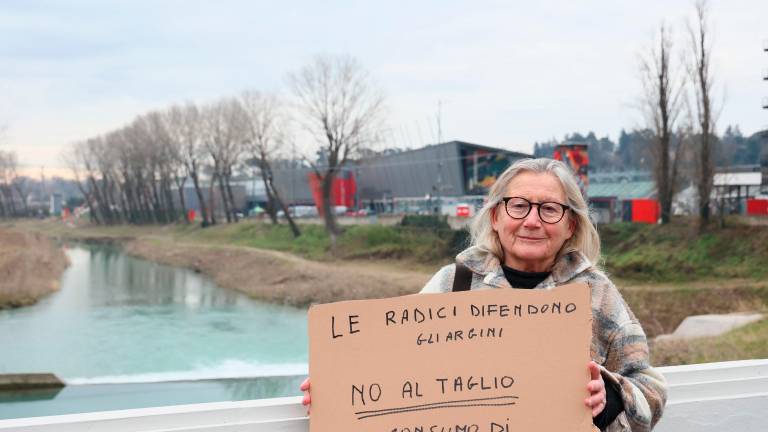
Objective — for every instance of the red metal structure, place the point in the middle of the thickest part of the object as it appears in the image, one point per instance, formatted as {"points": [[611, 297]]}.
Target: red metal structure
{"points": [[645, 210], [342, 193], [757, 207], [576, 157]]}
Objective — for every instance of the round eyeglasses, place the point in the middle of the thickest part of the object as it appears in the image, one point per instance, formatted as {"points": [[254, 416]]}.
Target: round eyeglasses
{"points": [[549, 212]]}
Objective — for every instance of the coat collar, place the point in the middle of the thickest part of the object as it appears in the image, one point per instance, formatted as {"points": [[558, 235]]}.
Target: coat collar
{"points": [[486, 264]]}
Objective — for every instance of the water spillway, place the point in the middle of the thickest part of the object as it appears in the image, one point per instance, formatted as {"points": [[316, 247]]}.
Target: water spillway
{"points": [[121, 329]]}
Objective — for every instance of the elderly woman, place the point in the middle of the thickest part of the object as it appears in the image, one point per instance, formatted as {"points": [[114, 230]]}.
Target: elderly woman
{"points": [[534, 232]]}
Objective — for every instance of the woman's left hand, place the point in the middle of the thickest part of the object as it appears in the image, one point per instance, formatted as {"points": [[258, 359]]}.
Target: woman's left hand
{"points": [[596, 387]]}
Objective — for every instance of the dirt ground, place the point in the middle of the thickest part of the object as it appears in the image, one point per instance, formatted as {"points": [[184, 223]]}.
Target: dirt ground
{"points": [[284, 278], [31, 266]]}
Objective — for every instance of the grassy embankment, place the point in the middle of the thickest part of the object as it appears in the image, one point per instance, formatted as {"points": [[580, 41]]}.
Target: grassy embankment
{"points": [[665, 272], [673, 271], [30, 268]]}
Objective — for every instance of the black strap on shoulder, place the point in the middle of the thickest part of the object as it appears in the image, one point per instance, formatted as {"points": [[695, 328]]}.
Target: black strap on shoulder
{"points": [[462, 279]]}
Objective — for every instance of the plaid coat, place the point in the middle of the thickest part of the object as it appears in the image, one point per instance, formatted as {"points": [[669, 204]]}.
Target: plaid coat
{"points": [[618, 341]]}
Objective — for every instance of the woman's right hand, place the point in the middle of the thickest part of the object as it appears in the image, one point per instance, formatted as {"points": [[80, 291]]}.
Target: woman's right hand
{"points": [[307, 401]]}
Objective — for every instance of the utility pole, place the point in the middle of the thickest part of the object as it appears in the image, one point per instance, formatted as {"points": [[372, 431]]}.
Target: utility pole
{"points": [[764, 152], [43, 193], [439, 187], [439, 121], [439, 164]]}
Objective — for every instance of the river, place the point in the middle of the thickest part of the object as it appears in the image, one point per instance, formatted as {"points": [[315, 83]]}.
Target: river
{"points": [[126, 333]]}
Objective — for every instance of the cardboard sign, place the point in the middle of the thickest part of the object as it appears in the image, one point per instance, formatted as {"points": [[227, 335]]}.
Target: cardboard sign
{"points": [[479, 361]]}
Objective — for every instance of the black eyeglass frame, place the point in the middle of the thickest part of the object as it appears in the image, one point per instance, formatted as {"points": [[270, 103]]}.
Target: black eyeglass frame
{"points": [[506, 200]]}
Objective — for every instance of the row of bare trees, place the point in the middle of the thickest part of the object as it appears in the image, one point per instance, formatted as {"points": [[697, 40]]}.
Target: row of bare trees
{"points": [[138, 173], [679, 109], [130, 175], [13, 187]]}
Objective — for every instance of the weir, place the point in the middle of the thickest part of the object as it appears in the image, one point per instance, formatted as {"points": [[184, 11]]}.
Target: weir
{"points": [[29, 381]]}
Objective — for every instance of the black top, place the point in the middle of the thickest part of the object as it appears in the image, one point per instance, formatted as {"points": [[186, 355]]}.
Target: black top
{"points": [[521, 279], [613, 403]]}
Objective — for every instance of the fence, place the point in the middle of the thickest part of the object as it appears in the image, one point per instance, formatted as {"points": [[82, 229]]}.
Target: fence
{"points": [[704, 398]]}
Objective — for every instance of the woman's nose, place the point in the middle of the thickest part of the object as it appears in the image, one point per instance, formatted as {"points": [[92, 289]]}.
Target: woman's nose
{"points": [[532, 220]]}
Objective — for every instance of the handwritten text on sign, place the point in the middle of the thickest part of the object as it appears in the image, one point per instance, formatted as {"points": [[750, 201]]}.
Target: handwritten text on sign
{"points": [[490, 361]]}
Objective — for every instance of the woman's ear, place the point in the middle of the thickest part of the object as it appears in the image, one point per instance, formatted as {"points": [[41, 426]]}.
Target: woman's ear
{"points": [[571, 227], [494, 215]]}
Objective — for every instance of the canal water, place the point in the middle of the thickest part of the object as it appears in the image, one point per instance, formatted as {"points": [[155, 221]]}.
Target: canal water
{"points": [[127, 333]]}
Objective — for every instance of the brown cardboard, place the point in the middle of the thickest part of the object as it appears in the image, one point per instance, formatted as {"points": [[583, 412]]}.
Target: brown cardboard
{"points": [[374, 369]]}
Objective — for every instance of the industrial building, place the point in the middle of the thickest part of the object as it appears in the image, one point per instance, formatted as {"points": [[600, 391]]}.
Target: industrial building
{"points": [[453, 178], [430, 179]]}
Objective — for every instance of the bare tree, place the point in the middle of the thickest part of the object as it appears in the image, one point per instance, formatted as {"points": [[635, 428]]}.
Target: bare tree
{"points": [[193, 153], [129, 186], [145, 168], [20, 183], [661, 103], [8, 164], [163, 151], [174, 124], [265, 131], [341, 109], [78, 162], [224, 130], [700, 72]]}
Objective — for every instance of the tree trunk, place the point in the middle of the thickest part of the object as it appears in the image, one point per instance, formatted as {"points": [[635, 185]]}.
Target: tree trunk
{"points": [[273, 191], [128, 217], [9, 198], [173, 216], [89, 201], [212, 198], [224, 199], [180, 182], [145, 196], [705, 178], [158, 206], [271, 208], [329, 216], [142, 191], [109, 214], [232, 206], [102, 212], [117, 214], [23, 196], [133, 206], [200, 198]]}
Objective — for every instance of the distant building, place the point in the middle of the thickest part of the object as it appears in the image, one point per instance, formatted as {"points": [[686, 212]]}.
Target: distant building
{"points": [[731, 190], [432, 178], [192, 202], [612, 195], [56, 204]]}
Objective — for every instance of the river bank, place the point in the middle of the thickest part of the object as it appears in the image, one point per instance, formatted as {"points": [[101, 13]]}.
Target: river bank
{"points": [[31, 265], [243, 257], [280, 277], [231, 262], [265, 262]]}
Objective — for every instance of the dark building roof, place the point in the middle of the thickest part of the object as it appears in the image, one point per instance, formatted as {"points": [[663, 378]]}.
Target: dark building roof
{"points": [[453, 168]]}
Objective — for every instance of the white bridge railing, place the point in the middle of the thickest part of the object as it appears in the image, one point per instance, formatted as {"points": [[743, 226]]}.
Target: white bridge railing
{"points": [[707, 397]]}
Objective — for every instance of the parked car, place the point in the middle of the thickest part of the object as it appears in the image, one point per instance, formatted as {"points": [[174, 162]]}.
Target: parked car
{"points": [[361, 212]]}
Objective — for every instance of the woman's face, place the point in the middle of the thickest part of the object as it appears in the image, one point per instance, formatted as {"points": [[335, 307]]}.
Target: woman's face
{"points": [[530, 244]]}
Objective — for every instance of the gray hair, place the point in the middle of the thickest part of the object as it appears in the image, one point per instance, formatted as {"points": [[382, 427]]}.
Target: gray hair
{"points": [[585, 238]]}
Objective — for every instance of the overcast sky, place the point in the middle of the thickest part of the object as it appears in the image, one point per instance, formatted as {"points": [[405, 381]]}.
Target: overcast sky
{"points": [[509, 73]]}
